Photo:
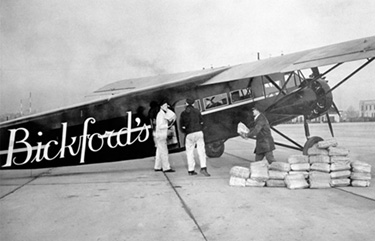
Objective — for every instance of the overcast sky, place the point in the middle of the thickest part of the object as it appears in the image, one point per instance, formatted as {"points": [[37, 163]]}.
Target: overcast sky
{"points": [[61, 50]]}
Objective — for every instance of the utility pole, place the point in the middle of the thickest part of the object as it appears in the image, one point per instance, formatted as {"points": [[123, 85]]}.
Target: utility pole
{"points": [[30, 104], [21, 112]]}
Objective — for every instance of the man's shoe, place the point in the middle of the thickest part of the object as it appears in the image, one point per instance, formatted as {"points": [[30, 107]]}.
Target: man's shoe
{"points": [[192, 173], [204, 172], [169, 170], [158, 170]]}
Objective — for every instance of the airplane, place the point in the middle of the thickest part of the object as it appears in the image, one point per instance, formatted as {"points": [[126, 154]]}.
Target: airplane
{"points": [[113, 124]]}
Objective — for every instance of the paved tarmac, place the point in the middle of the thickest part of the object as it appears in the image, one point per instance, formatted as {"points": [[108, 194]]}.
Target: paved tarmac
{"points": [[129, 201]]}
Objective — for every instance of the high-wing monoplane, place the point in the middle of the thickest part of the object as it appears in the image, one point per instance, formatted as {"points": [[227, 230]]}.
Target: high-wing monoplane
{"points": [[114, 125]]}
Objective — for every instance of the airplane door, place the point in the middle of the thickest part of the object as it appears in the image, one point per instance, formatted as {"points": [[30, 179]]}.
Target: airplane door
{"points": [[179, 108]]}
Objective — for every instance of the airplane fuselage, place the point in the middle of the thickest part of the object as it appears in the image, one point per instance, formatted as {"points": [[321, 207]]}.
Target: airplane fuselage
{"points": [[119, 129]]}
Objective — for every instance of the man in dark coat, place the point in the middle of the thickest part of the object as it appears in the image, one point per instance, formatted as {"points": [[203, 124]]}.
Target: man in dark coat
{"points": [[264, 141], [191, 123]]}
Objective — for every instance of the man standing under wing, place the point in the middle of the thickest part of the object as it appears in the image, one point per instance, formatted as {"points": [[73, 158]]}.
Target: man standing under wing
{"points": [[191, 123]]}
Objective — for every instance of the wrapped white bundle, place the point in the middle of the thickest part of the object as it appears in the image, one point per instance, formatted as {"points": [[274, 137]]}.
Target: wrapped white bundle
{"points": [[327, 143], [259, 173], [293, 159], [314, 150], [340, 166], [254, 183], [170, 116], [360, 176], [358, 166], [242, 129], [277, 175], [305, 173], [238, 171], [337, 151], [296, 181], [300, 167], [319, 159], [340, 159], [275, 183], [319, 180], [321, 167], [280, 166], [343, 182], [237, 182], [360, 183], [258, 163], [340, 174]]}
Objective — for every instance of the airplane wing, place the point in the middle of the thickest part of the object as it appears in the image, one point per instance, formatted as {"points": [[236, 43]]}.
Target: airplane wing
{"points": [[332, 54], [125, 87], [337, 53], [130, 85]]}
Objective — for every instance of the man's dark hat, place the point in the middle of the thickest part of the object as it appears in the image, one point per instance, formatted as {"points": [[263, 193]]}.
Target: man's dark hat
{"points": [[256, 107], [163, 101], [190, 101]]}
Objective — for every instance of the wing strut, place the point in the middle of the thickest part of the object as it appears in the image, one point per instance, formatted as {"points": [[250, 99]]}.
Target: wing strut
{"points": [[276, 85], [317, 75], [349, 76], [299, 147]]}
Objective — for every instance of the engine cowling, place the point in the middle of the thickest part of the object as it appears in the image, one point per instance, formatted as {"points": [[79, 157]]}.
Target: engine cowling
{"points": [[311, 100]]}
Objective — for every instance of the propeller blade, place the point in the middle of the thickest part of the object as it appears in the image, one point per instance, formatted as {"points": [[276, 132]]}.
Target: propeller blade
{"points": [[329, 124], [306, 126], [336, 109]]}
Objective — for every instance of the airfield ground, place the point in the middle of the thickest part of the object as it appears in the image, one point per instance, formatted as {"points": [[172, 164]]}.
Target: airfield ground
{"points": [[129, 201]]}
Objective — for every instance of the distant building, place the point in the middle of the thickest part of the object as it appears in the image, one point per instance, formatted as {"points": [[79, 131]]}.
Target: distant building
{"points": [[333, 116], [367, 108]]}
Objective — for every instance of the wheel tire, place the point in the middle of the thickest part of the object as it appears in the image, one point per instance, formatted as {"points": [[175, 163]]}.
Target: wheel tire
{"points": [[310, 142], [215, 149]]}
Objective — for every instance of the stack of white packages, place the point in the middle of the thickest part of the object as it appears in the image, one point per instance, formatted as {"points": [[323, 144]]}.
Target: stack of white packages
{"points": [[319, 179], [319, 176], [258, 174], [255, 176], [299, 164], [326, 165], [340, 162], [238, 176], [361, 174], [277, 172], [340, 171], [296, 178], [296, 181]]}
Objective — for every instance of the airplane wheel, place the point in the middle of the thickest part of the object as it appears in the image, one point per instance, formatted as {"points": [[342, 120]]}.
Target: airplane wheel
{"points": [[215, 149], [310, 142]]}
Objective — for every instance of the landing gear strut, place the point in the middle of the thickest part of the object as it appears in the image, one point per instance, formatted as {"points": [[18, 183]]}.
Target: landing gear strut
{"points": [[310, 140], [215, 149]]}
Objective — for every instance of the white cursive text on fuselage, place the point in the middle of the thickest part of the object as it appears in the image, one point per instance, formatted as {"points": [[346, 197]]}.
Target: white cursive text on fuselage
{"points": [[84, 141]]}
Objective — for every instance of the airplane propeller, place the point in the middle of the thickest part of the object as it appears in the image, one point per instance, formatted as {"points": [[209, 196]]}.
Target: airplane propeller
{"points": [[336, 109], [329, 124]]}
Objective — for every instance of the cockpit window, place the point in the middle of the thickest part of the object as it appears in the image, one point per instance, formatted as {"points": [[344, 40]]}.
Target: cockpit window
{"points": [[215, 101], [294, 81], [242, 94], [270, 89]]}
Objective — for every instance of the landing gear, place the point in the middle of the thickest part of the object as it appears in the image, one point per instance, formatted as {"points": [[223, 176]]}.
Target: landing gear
{"points": [[215, 149], [310, 142]]}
